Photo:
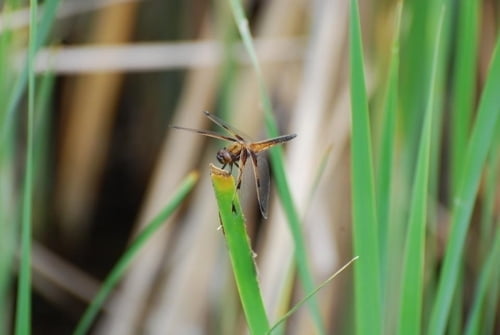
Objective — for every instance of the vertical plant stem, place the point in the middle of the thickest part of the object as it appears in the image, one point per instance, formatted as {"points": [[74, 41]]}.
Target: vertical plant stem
{"points": [[413, 269], [463, 84], [42, 31], [367, 270], [489, 277], [240, 251], [23, 314], [385, 167], [474, 159]]}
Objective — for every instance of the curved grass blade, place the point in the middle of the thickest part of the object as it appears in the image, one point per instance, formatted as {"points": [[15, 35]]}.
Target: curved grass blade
{"points": [[489, 275], [491, 183], [475, 156], [121, 266], [308, 296], [463, 84], [384, 173], [23, 312], [487, 236], [8, 211], [491, 305], [365, 231], [276, 157], [412, 280], [240, 252]]}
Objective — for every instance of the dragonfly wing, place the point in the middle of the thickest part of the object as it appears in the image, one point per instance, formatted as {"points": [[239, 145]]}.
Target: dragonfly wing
{"points": [[207, 133], [241, 136], [262, 182], [266, 144]]}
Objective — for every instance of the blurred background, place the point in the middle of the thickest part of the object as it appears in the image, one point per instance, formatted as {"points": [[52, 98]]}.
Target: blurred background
{"points": [[114, 74]]}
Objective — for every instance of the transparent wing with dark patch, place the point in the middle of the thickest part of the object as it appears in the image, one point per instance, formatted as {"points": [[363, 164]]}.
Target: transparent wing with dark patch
{"points": [[238, 134], [262, 182], [207, 133]]}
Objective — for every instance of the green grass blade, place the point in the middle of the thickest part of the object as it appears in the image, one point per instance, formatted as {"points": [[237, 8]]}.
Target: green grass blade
{"points": [[475, 156], [41, 158], [23, 312], [227, 32], [463, 83], [491, 181], [367, 270], [276, 157], [488, 276], [384, 171], [6, 49], [308, 296], [414, 74], [43, 29], [441, 86], [487, 237], [491, 305], [455, 322], [42, 121], [119, 269], [8, 191], [240, 251], [412, 280]]}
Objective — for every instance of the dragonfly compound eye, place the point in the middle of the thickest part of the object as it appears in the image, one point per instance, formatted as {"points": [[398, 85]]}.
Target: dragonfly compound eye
{"points": [[223, 156]]}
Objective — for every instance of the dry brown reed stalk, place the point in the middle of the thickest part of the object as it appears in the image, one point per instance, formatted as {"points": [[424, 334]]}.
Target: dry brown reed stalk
{"points": [[179, 155], [156, 56], [89, 114], [59, 281]]}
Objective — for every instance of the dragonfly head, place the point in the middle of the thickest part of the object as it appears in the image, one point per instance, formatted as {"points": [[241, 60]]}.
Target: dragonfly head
{"points": [[224, 156]]}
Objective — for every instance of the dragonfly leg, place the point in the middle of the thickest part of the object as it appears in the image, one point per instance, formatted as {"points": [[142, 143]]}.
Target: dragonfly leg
{"points": [[243, 160], [237, 165]]}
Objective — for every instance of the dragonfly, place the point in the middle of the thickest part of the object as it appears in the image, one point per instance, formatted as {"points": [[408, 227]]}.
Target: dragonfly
{"points": [[241, 149]]}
